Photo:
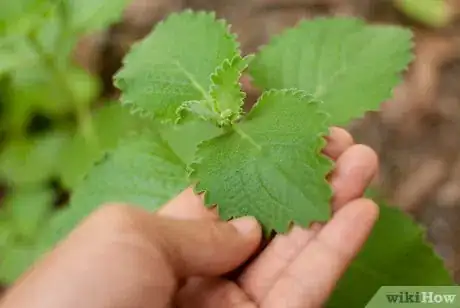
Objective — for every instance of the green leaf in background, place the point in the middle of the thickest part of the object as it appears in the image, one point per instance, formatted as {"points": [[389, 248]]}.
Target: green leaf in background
{"points": [[20, 16], [111, 123], [24, 212], [142, 171], [27, 208], [396, 254], [93, 15], [270, 166], [16, 260], [31, 161], [36, 90], [435, 13], [174, 64], [350, 66], [15, 53]]}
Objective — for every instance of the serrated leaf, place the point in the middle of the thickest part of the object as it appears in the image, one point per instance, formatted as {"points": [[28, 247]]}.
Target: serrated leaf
{"points": [[270, 165], [141, 171], [174, 63], [184, 138], [350, 66], [396, 254], [226, 89]]}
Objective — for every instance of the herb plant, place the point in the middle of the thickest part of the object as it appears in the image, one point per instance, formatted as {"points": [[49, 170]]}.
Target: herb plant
{"points": [[53, 123], [181, 83]]}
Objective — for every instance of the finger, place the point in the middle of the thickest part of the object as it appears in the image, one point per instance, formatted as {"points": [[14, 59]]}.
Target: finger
{"points": [[310, 278], [338, 141], [205, 247], [143, 255], [212, 293], [187, 205], [258, 278], [353, 172]]}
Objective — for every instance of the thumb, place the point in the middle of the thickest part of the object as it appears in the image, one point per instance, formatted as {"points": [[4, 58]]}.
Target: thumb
{"points": [[205, 247]]}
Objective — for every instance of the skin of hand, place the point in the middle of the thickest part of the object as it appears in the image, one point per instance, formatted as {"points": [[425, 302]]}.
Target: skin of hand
{"points": [[123, 256]]}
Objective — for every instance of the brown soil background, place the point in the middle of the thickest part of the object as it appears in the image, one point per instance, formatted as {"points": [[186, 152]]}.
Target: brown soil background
{"points": [[416, 134]]}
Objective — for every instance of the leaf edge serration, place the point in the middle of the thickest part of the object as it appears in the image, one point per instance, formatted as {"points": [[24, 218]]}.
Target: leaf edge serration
{"points": [[118, 80], [397, 78], [321, 143]]}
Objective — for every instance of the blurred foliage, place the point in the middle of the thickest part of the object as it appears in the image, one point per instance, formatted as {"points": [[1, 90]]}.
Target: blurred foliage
{"points": [[433, 13], [53, 124]]}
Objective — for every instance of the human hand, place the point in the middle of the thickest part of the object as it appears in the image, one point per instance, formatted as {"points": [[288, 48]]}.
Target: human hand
{"points": [[122, 256]]}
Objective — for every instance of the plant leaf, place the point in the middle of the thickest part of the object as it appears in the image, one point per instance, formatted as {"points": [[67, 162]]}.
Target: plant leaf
{"points": [[31, 161], [89, 15], [434, 13], [111, 123], [350, 66], [15, 260], [24, 212], [270, 166], [184, 138], [142, 171], [396, 254], [174, 63], [27, 208]]}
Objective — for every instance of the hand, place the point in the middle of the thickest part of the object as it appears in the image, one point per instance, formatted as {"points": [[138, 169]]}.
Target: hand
{"points": [[123, 256]]}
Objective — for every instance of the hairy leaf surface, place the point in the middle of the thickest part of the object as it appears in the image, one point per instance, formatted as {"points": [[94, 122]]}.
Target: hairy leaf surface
{"points": [[349, 65], [174, 64], [269, 166]]}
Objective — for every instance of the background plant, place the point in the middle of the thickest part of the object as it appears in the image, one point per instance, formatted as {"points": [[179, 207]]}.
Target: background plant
{"points": [[53, 123]]}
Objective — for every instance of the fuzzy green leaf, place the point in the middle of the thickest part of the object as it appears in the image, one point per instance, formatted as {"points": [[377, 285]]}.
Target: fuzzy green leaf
{"points": [[270, 165], [226, 94], [184, 138], [350, 66], [174, 63], [396, 254]]}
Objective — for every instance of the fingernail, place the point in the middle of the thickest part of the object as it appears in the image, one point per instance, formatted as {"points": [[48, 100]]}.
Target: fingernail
{"points": [[244, 225]]}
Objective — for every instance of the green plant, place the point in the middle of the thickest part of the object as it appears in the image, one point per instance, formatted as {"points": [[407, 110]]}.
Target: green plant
{"points": [[183, 82], [433, 13], [53, 124]]}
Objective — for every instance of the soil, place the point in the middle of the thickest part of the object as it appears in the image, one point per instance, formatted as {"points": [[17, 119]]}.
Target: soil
{"points": [[416, 134]]}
